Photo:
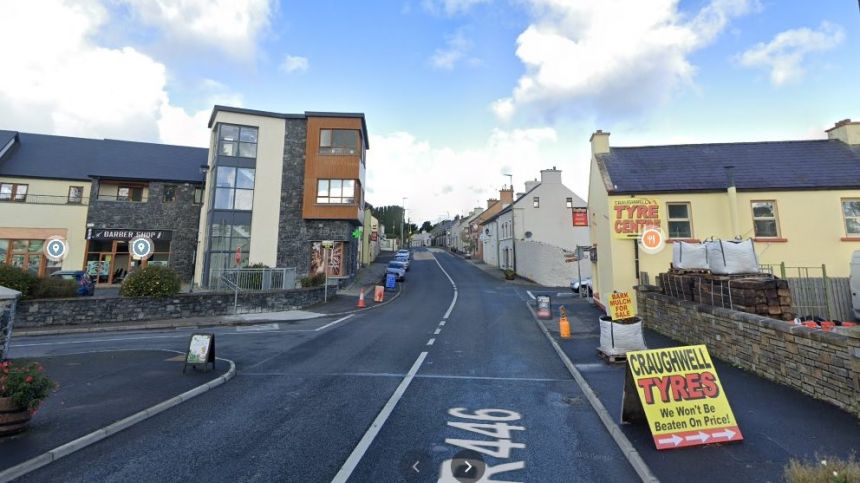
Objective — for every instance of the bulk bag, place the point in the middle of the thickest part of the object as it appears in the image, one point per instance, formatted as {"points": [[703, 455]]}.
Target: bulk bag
{"points": [[732, 257], [689, 256]]}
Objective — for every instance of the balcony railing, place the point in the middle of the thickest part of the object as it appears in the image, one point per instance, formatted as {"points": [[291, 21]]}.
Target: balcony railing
{"points": [[47, 200], [121, 199]]}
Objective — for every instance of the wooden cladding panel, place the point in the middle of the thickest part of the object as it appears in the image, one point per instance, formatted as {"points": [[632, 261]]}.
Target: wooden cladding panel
{"points": [[321, 166]]}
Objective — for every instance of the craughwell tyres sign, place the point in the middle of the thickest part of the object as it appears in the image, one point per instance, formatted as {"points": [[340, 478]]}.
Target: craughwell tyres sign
{"points": [[681, 397], [630, 216]]}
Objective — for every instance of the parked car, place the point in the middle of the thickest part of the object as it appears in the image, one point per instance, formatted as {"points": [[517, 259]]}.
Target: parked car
{"points": [[86, 286], [404, 252], [397, 268], [404, 259], [577, 286]]}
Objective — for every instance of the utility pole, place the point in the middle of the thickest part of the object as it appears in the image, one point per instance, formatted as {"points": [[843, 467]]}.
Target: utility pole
{"points": [[402, 223], [513, 215]]}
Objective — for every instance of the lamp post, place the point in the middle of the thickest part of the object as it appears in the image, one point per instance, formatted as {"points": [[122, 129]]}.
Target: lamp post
{"points": [[513, 216], [402, 223]]}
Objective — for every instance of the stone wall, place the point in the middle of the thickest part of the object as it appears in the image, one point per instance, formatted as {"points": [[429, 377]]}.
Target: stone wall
{"points": [[180, 216], [295, 234], [824, 365], [97, 310]]}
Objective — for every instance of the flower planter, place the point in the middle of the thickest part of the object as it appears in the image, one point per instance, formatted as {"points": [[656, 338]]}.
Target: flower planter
{"points": [[618, 338], [13, 419]]}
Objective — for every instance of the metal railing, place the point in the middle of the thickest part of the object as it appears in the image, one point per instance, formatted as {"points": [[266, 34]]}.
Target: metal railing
{"points": [[252, 279], [122, 199], [815, 293], [31, 199]]}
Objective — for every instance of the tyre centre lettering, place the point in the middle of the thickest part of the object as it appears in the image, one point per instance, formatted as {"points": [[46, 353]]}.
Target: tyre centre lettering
{"points": [[495, 426]]}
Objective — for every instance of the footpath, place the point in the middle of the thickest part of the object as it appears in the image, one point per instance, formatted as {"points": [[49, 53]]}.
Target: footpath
{"points": [[778, 423], [98, 394]]}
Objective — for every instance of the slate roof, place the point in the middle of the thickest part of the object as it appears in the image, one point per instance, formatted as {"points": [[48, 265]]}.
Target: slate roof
{"points": [[62, 157], [5, 137], [780, 165]]}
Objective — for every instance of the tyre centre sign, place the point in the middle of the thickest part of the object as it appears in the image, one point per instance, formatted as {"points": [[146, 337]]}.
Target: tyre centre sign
{"points": [[126, 234], [631, 216]]}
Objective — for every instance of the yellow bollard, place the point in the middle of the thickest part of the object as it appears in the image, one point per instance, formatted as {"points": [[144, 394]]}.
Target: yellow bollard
{"points": [[564, 325]]}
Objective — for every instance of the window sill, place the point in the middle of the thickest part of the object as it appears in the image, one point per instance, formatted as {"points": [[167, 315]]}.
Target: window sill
{"points": [[770, 240], [685, 240], [851, 238]]}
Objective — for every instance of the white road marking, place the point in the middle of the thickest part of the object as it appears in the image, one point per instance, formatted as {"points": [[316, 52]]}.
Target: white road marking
{"points": [[531, 295], [442, 324], [253, 328], [431, 341], [332, 323], [350, 464], [454, 301], [437, 331], [564, 294]]}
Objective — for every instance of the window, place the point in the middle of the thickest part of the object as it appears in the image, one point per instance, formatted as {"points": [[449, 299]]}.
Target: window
{"points": [[238, 141], [129, 193], [225, 240], [851, 212], [679, 220], [765, 222], [234, 188], [169, 195], [13, 192], [24, 254], [536, 202], [338, 141], [198, 196], [336, 191], [76, 194], [568, 202]]}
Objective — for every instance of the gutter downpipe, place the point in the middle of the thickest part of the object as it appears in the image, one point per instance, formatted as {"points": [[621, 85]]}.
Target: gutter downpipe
{"points": [[733, 200]]}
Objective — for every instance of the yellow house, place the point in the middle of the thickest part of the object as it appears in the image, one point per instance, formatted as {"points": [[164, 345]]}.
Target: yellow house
{"points": [[798, 200]]}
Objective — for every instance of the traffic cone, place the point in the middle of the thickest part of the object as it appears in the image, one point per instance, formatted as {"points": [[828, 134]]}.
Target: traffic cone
{"points": [[564, 325], [361, 303], [379, 294]]}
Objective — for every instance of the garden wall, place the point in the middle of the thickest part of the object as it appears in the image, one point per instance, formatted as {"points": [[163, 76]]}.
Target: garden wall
{"points": [[824, 365], [98, 310]]}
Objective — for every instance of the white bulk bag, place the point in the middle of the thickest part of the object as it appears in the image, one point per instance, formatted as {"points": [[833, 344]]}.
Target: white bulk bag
{"points": [[689, 256], [732, 257], [626, 337]]}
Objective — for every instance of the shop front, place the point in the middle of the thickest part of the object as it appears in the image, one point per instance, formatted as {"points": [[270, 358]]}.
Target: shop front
{"points": [[108, 259]]}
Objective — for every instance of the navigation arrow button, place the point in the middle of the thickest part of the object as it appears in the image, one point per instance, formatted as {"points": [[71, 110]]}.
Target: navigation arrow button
{"points": [[415, 467]]}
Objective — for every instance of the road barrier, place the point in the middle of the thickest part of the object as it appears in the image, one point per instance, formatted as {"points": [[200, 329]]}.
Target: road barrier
{"points": [[563, 324]]}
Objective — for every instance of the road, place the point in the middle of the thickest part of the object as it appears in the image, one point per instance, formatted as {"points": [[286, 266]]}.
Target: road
{"points": [[393, 394]]}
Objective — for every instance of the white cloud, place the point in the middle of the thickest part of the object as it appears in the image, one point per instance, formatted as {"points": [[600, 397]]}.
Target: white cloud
{"points": [[619, 56], [295, 63], [455, 179], [451, 7], [232, 26], [784, 55], [456, 48], [66, 84]]}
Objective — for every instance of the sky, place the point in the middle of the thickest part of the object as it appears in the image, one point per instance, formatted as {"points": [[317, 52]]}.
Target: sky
{"points": [[457, 93]]}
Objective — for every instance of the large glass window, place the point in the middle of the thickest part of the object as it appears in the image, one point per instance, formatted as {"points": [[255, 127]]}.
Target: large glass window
{"points": [[851, 212], [234, 188], [13, 192], [765, 222], [24, 254], [226, 240], [679, 220], [336, 191], [338, 141], [238, 141]]}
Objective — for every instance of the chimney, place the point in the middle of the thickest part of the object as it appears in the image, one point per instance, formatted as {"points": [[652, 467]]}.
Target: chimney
{"points": [[599, 142], [531, 184], [846, 131], [490, 202], [506, 195], [550, 176], [519, 195]]}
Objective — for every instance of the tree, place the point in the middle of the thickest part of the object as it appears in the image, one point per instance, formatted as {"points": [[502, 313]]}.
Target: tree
{"points": [[427, 227], [391, 216]]}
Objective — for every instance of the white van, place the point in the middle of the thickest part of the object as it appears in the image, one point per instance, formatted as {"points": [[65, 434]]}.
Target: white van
{"points": [[854, 281]]}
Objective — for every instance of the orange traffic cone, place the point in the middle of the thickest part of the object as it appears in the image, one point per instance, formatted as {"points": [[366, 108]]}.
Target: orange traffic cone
{"points": [[564, 325], [361, 303], [379, 294]]}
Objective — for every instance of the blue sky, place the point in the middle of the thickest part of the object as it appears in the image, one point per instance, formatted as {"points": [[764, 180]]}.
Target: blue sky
{"points": [[456, 92]]}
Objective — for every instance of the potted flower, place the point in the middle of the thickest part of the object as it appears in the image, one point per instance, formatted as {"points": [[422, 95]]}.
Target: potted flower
{"points": [[23, 387], [510, 274]]}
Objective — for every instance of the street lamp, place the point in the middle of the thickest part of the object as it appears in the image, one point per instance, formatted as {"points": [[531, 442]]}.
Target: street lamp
{"points": [[513, 216], [403, 222]]}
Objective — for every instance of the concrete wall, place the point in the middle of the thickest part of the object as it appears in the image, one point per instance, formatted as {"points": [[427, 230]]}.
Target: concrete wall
{"points": [[545, 264], [824, 365], [96, 310]]}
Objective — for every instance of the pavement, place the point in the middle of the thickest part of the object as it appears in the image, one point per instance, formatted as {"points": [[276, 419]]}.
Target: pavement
{"points": [[96, 389], [778, 422]]}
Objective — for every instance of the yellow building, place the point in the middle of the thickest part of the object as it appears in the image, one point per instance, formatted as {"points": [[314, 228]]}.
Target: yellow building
{"points": [[798, 200]]}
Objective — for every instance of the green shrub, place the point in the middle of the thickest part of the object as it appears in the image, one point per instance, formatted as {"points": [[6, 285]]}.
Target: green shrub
{"points": [[152, 281], [53, 288], [314, 280], [17, 279]]}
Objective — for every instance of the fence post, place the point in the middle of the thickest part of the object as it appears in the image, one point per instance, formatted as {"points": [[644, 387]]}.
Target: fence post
{"points": [[782, 270], [830, 310]]}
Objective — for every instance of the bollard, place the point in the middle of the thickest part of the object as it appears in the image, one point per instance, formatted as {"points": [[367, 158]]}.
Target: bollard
{"points": [[564, 325]]}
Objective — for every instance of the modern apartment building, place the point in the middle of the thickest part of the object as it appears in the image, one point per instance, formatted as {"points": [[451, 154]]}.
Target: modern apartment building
{"points": [[278, 187]]}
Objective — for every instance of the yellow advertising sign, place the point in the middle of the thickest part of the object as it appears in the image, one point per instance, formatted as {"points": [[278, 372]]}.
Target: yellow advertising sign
{"points": [[681, 396], [621, 305], [631, 216]]}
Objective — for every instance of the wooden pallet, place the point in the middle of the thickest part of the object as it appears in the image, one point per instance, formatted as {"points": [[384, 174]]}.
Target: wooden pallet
{"points": [[612, 358]]}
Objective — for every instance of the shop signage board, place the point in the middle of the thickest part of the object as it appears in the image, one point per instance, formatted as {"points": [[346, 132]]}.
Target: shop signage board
{"points": [[621, 305], [390, 281], [580, 216], [126, 234], [631, 216], [201, 351], [681, 396], [544, 305]]}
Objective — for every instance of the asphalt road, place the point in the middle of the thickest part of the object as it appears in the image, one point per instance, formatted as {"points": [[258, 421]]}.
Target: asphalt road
{"points": [[392, 394]]}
